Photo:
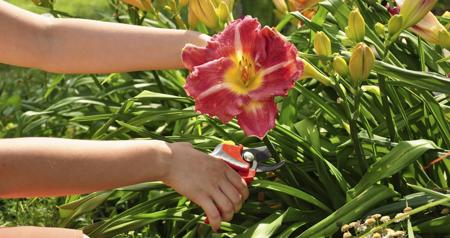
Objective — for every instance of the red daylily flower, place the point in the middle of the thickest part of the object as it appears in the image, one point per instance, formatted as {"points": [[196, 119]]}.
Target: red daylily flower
{"points": [[239, 73]]}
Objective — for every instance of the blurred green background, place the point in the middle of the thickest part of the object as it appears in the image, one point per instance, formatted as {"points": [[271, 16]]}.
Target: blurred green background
{"points": [[78, 8]]}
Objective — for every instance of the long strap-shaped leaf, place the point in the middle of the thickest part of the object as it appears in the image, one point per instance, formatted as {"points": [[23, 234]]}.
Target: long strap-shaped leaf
{"points": [[352, 210], [291, 191], [415, 79], [401, 156], [266, 227]]}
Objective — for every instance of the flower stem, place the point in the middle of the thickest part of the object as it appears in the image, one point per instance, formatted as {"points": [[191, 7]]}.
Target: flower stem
{"points": [[387, 108], [354, 130], [271, 148], [385, 99], [407, 214]]}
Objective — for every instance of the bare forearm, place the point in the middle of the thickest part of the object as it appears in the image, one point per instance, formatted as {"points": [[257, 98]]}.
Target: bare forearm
{"points": [[85, 46], [53, 167]]}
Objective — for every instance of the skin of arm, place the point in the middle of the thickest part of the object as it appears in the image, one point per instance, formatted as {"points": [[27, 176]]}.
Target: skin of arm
{"points": [[87, 46], [31, 167]]}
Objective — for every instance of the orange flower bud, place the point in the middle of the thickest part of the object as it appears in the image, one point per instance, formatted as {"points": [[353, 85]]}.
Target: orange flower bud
{"points": [[361, 63], [356, 29], [322, 44], [144, 5]]}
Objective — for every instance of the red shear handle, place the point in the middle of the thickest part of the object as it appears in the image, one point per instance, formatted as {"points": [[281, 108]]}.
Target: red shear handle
{"points": [[247, 175], [232, 155]]}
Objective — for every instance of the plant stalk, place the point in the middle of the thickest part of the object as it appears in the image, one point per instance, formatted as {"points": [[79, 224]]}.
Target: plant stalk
{"points": [[354, 130]]}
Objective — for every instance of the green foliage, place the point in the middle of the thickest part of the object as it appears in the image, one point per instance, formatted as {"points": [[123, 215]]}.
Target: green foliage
{"points": [[349, 152], [29, 212]]}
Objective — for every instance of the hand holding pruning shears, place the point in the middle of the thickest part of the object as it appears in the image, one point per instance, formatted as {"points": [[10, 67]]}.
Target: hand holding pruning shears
{"points": [[246, 161]]}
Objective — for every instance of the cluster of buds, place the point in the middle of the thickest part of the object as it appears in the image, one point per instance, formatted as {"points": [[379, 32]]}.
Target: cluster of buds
{"points": [[415, 15], [357, 228], [213, 13], [361, 61]]}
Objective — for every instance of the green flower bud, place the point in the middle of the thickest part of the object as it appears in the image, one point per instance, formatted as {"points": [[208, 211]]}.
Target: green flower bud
{"points": [[372, 89], [340, 65], [446, 16], [322, 44], [395, 24], [379, 29], [223, 12], [356, 26], [361, 63], [310, 71], [444, 38], [413, 11]]}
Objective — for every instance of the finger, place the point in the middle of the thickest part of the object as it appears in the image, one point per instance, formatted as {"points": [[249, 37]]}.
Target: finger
{"points": [[224, 204], [212, 213], [232, 194], [238, 182]]}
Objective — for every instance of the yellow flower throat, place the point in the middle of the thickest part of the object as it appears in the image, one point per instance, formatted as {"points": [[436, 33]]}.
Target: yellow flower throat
{"points": [[242, 77]]}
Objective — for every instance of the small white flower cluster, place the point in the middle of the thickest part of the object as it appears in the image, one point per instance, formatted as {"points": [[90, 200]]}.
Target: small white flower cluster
{"points": [[356, 228]]}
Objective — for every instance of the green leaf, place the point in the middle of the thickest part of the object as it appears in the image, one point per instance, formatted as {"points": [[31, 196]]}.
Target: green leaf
{"points": [[308, 129], [410, 229], [401, 156], [86, 204], [265, 227], [440, 225], [291, 191], [149, 95], [55, 81], [414, 79], [351, 211]]}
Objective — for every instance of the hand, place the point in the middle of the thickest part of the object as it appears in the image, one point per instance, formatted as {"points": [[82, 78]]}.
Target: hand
{"points": [[206, 181]]}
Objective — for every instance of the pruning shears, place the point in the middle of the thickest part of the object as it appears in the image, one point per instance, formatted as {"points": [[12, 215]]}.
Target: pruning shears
{"points": [[246, 161]]}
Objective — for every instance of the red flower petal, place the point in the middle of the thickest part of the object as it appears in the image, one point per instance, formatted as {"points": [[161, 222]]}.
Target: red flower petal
{"points": [[193, 55], [239, 72], [238, 35], [258, 117], [206, 85], [277, 59]]}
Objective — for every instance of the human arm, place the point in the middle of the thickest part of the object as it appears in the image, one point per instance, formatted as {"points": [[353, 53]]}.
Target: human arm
{"points": [[40, 232], [87, 46], [32, 167]]}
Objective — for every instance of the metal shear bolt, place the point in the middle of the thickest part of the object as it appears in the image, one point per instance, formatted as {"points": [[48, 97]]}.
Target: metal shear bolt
{"points": [[249, 157]]}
